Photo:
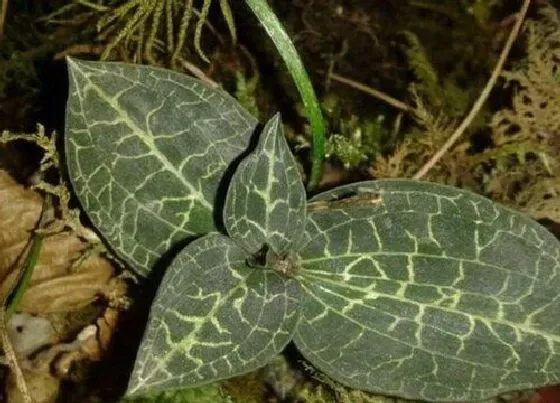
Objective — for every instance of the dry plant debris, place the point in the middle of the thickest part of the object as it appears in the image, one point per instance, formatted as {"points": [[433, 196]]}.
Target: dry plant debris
{"points": [[71, 275], [145, 25], [521, 166], [526, 170]]}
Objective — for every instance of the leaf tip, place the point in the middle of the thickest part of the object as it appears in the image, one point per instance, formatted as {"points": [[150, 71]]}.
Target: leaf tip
{"points": [[73, 66], [72, 62]]}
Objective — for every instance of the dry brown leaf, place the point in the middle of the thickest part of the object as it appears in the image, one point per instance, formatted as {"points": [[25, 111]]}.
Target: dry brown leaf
{"points": [[60, 282], [68, 291], [20, 210], [42, 386], [92, 343], [68, 276]]}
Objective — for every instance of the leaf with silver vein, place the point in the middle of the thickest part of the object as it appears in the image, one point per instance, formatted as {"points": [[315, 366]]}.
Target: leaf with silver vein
{"points": [[146, 150], [431, 293], [266, 198], [213, 318]]}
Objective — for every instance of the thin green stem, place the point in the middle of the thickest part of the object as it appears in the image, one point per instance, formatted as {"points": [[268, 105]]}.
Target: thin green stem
{"points": [[295, 66], [28, 267]]}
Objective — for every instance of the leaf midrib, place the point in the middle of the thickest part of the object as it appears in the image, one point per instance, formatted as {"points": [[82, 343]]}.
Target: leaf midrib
{"points": [[305, 282], [418, 254], [413, 347], [198, 325], [125, 118]]}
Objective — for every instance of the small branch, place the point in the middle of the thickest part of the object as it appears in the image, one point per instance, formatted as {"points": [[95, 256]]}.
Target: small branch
{"points": [[483, 95], [3, 13], [97, 7], [12, 359], [197, 72], [371, 91]]}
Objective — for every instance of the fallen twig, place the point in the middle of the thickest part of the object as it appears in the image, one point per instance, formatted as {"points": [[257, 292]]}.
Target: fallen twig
{"points": [[371, 91], [482, 97], [3, 12]]}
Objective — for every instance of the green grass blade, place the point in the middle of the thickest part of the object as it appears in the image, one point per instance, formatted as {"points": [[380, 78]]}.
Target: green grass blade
{"points": [[28, 267], [295, 66]]}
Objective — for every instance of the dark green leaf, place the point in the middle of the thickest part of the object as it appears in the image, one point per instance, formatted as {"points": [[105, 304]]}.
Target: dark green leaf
{"points": [[428, 292], [213, 318], [146, 150], [266, 198]]}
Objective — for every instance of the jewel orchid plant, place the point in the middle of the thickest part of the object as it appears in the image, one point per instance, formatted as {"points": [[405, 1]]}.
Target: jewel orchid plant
{"points": [[400, 287]]}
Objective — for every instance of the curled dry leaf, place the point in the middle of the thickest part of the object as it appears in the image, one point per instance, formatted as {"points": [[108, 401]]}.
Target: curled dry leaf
{"points": [[91, 344], [19, 213], [58, 286], [66, 277], [49, 365]]}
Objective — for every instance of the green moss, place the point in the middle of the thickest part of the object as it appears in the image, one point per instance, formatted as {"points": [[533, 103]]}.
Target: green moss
{"points": [[441, 95], [211, 393], [249, 388], [353, 139], [245, 92]]}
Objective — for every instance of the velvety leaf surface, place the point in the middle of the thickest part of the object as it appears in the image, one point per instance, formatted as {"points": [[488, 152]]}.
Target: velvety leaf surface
{"points": [[146, 150], [430, 292], [213, 318], [266, 198]]}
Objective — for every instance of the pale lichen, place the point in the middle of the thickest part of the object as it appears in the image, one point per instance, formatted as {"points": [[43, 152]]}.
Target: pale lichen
{"points": [[526, 168], [150, 24]]}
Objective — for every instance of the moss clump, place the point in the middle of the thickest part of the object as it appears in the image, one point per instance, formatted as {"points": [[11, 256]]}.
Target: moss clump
{"points": [[522, 168], [211, 393]]}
